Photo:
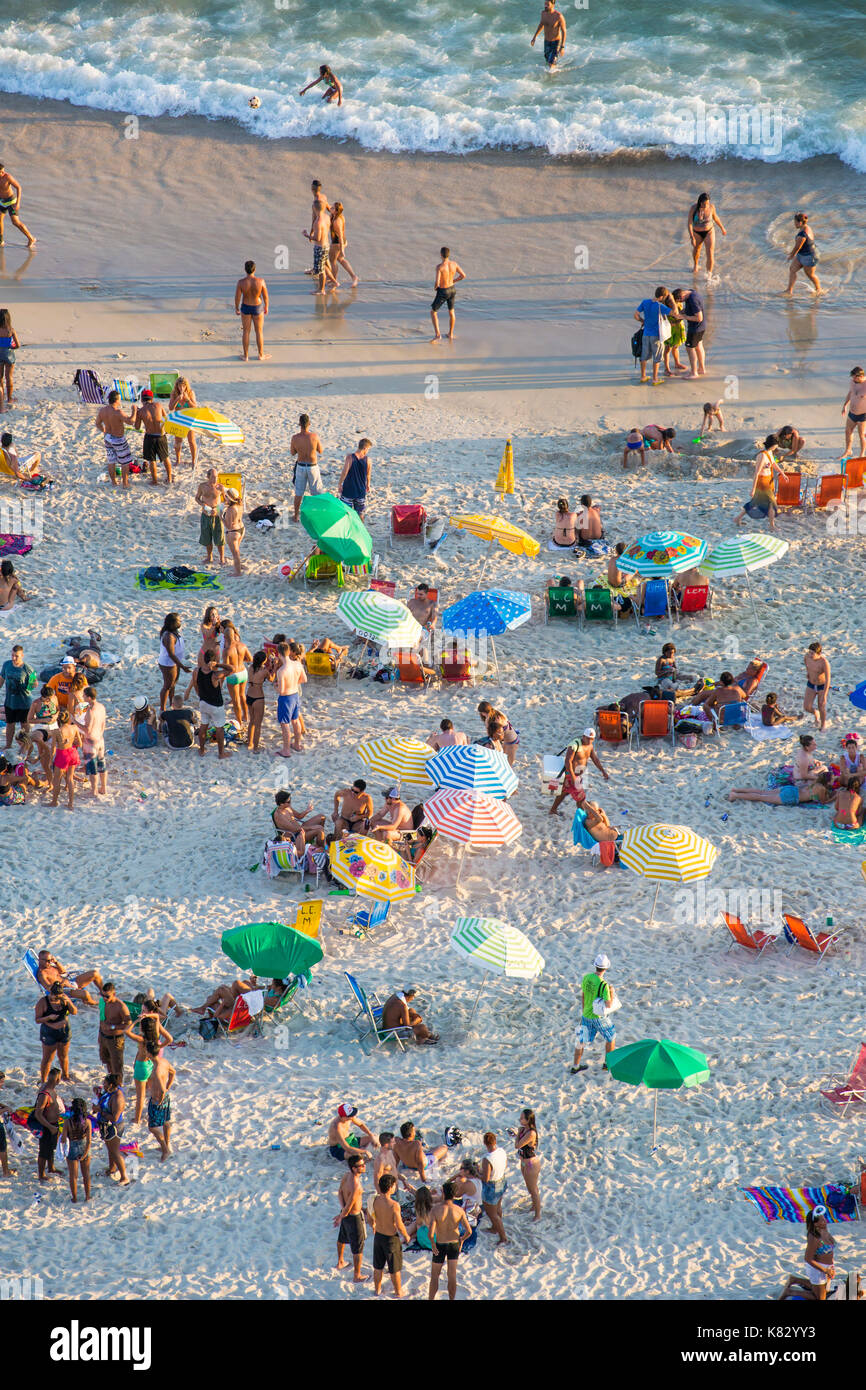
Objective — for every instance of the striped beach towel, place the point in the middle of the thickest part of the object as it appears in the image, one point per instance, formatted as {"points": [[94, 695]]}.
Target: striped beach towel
{"points": [[795, 1203]]}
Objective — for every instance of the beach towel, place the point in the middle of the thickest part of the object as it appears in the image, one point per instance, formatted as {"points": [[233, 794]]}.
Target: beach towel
{"points": [[762, 732], [794, 1203], [15, 545], [155, 577], [842, 836], [565, 549]]}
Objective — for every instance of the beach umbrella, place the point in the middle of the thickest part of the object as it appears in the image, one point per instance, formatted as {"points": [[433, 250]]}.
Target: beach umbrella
{"points": [[662, 554], [497, 948], [271, 949], [398, 759], [666, 854], [495, 529], [505, 477], [372, 868], [858, 696], [660, 1066], [471, 767], [337, 530], [379, 618], [487, 611], [207, 421], [471, 818], [742, 554]]}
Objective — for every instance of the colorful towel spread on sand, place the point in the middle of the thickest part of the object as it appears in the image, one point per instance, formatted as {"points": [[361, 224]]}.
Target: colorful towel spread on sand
{"points": [[194, 580], [15, 545], [794, 1203], [849, 837]]}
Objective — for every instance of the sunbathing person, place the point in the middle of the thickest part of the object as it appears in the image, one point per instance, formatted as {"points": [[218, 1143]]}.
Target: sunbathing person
{"points": [[849, 806], [305, 826], [564, 526], [397, 1012], [727, 692], [394, 819], [590, 528], [751, 678], [771, 715], [343, 1136], [25, 470], [222, 1001], [10, 587], [597, 823], [330, 649], [413, 1155], [818, 791], [617, 578], [50, 971], [353, 807], [690, 579]]}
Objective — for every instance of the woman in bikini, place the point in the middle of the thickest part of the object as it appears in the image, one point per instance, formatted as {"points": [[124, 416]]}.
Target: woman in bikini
{"points": [[818, 1259], [255, 698], [564, 526], [235, 658], [526, 1144], [702, 223], [79, 1137], [819, 791], [40, 725], [110, 1105], [182, 395], [337, 252], [849, 806], [762, 502], [510, 737], [65, 743], [150, 1038], [51, 1014], [233, 524]]}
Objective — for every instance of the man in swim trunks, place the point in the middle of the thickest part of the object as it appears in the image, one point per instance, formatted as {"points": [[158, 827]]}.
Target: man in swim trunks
{"points": [[412, 1154], [319, 237], [251, 305], [553, 25], [448, 274], [112, 1030], [397, 1012], [389, 1231], [577, 756], [306, 449], [289, 678], [159, 1121], [111, 423], [423, 608], [209, 495], [726, 692], [10, 202], [151, 417], [854, 410], [393, 820], [343, 1137], [46, 1114], [353, 807], [447, 1235], [350, 1218], [50, 971], [817, 684]]}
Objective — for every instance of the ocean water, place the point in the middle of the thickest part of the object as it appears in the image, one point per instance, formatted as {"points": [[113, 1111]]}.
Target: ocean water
{"points": [[756, 79]]}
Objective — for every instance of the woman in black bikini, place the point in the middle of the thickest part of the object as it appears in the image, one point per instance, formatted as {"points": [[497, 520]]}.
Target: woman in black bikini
{"points": [[702, 225], [260, 672], [526, 1144], [51, 1014], [78, 1135]]}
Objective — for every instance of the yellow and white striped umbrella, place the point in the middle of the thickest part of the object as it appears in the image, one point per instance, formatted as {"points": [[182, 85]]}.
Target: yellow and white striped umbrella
{"points": [[372, 868], [494, 528], [400, 759], [667, 854], [201, 417]]}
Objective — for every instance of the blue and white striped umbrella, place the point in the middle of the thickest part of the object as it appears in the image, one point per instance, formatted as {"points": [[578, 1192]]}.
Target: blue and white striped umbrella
{"points": [[470, 767], [488, 611]]}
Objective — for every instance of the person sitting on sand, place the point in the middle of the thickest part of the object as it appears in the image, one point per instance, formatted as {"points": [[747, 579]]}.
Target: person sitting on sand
{"points": [[806, 765], [347, 1134], [25, 470], [565, 525], [853, 762], [818, 1258], [712, 412], [635, 448], [727, 692], [412, 1154], [11, 589], [50, 971], [597, 823], [397, 1012], [142, 723], [446, 736], [658, 438], [394, 819], [849, 806], [819, 791], [771, 715], [590, 528], [290, 823], [790, 440], [353, 808]]}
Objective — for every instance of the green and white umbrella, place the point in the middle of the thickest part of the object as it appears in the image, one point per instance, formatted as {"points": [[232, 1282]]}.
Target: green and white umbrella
{"points": [[742, 554], [379, 618], [497, 948]]}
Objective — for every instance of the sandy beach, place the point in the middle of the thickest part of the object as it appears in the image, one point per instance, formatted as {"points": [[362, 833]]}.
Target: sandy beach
{"points": [[140, 243]]}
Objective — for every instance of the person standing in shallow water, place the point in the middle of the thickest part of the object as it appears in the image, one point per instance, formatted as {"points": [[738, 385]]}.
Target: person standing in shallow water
{"points": [[553, 24]]}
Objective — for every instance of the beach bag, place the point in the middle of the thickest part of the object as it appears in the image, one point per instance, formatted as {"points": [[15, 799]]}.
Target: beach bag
{"points": [[268, 513], [637, 344], [664, 328], [600, 1007], [179, 574], [155, 574], [208, 1029]]}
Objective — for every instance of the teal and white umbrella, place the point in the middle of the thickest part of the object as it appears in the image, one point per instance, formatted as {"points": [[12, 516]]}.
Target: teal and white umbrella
{"points": [[662, 554], [379, 618], [497, 948], [742, 554]]}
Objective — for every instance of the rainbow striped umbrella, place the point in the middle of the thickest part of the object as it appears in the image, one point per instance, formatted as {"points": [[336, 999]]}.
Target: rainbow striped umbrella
{"points": [[400, 759], [471, 818], [372, 868], [207, 421], [470, 767], [379, 618], [496, 947], [667, 854], [662, 554]]}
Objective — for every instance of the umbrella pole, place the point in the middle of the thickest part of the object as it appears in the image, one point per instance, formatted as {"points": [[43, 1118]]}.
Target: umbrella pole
{"points": [[477, 997], [655, 900], [486, 558], [460, 867], [751, 595], [495, 657], [655, 1117]]}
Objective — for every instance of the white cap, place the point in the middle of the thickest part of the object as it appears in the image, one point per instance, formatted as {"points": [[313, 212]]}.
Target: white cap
{"points": [[589, 733], [68, 661], [602, 962]]}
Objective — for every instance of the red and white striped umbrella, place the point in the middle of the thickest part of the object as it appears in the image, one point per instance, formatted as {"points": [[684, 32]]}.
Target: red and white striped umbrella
{"points": [[473, 818]]}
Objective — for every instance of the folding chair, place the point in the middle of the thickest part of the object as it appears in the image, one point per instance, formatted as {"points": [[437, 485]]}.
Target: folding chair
{"points": [[410, 672], [364, 919], [246, 1016], [828, 491], [457, 672], [371, 1015], [129, 388], [323, 664], [234, 480], [407, 523], [384, 586], [598, 607], [818, 943], [612, 726], [560, 602], [31, 964], [845, 1091], [655, 720], [415, 845], [281, 857], [852, 470], [790, 490], [320, 569], [695, 598], [162, 384], [733, 716], [90, 389], [656, 602], [753, 940]]}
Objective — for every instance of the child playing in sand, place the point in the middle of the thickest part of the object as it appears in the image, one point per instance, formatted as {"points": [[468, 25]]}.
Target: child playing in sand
{"points": [[635, 447], [712, 412], [771, 714]]}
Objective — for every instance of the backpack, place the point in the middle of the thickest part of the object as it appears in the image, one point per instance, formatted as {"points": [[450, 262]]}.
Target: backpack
{"points": [[268, 513], [208, 1029], [179, 574], [155, 574], [637, 344]]}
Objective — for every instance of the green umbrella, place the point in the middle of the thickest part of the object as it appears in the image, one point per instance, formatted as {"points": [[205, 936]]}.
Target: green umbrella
{"points": [[661, 1066], [271, 949], [337, 530]]}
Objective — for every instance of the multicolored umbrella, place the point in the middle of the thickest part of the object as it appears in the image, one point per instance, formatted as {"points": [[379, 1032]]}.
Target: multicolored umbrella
{"points": [[497, 948], [741, 554], [494, 528], [662, 554], [667, 854], [372, 868], [487, 612], [379, 618], [337, 530], [399, 759], [661, 1065], [207, 421], [472, 818], [471, 767]]}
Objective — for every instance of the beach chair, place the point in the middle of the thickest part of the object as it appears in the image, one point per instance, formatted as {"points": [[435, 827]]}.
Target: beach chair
{"points": [[852, 470], [598, 607], [790, 490], [90, 389], [323, 664], [612, 726], [31, 965], [460, 672], [581, 835], [406, 523], [366, 917], [695, 598], [246, 1016], [410, 672], [384, 586], [752, 939], [162, 384], [363, 574], [281, 857], [560, 603], [828, 491], [415, 845], [840, 1091], [369, 1017], [655, 720], [818, 943], [320, 569], [308, 919], [129, 388], [656, 602], [235, 480], [733, 716]]}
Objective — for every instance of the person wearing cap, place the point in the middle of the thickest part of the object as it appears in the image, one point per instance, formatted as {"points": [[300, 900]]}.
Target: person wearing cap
{"points": [[577, 756], [151, 417], [233, 522], [594, 986], [353, 807], [397, 1012], [394, 819], [343, 1136], [61, 684]]}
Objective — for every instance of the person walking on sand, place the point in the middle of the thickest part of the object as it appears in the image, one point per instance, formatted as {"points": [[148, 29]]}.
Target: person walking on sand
{"points": [[854, 410], [10, 205], [159, 1084], [79, 1137], [448, 275], [594, 1022], [182, 396], [817, 684], [151, 417], [389, 1235], [111, 423], [803, 255], [702, 223], [493, 1185], [306, 449], [447, 1235], [553, 24], [251, 306], [333, 89], [211, 531], [578, 755], [337, 253], [319, 237], [290, 676], [350, 1218]]}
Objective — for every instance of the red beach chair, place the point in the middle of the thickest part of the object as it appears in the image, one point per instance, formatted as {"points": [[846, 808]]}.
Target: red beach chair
{"points": [[756, 940], [847, 1090], [819, 943], [407, 523]]}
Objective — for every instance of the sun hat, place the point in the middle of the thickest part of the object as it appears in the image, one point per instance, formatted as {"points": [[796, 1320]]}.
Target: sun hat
{"points": [[346, 1111], [139, 702], [231, 494], [602, 961], [68, 661], [589, 733]]}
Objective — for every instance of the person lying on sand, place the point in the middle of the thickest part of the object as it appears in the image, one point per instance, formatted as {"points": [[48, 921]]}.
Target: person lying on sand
{"points": [[397, 1012], [819, 791]]}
